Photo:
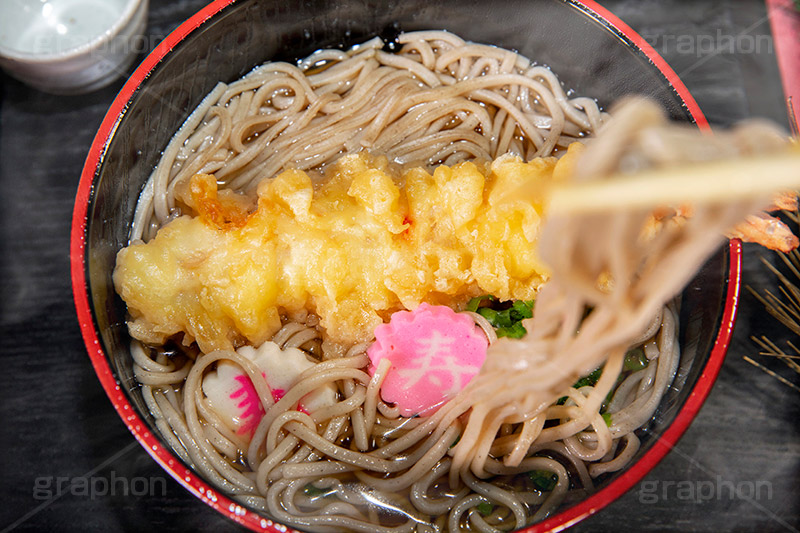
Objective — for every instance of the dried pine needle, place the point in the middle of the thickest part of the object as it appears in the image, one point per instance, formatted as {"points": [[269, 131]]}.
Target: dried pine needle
{"points": [[785, 307], [772, 350], [771, 373]]}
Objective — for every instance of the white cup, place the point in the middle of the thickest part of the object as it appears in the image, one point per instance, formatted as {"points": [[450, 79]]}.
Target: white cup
{"points": [[70, 46]]}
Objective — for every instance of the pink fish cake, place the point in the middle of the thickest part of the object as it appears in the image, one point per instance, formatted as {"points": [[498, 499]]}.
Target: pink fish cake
{"points": [[434, 353]]}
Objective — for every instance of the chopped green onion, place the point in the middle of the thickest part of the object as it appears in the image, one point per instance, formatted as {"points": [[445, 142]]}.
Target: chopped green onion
{"points": [[494, 318], [590, 380], [478, 301], [485, 508], [517, 331], [505, 317], [635, 360], [521, 309], [311, 491], [607, 418], [544, 480]]}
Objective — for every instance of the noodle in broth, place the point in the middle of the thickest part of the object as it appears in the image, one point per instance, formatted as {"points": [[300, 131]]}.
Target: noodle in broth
{"points": [[438, 100], [488, 460]]}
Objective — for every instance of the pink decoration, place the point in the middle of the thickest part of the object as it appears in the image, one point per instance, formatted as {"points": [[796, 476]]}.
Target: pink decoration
{"points": [[249, 403], [250, 406], [277, 394], [434, 353]]}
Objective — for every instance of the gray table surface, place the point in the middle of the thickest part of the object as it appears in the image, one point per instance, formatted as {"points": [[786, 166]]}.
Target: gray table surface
{"points": [[57, 425]]}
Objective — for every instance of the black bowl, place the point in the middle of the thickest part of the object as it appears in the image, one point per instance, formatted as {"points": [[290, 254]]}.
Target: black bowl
{"points": [[590, 50]]}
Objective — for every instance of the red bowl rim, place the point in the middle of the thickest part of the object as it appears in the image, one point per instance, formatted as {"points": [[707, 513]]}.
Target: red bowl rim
{"points": [[197, 486]]}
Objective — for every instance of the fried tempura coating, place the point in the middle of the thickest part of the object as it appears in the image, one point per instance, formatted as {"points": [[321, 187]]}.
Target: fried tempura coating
{"points": [[352, 249]]}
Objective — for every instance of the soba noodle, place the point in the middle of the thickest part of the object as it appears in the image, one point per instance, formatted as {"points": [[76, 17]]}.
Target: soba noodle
{"points": [[438, 100], [476, 463]]}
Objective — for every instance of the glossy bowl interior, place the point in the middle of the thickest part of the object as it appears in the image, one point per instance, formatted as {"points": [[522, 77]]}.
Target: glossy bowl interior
{"points": [[589, 49]]}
